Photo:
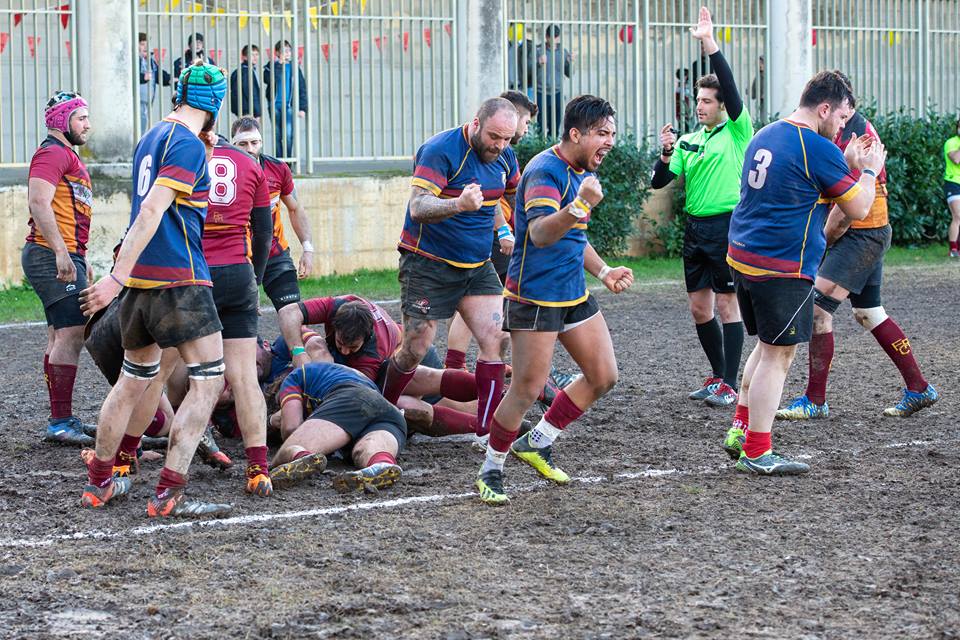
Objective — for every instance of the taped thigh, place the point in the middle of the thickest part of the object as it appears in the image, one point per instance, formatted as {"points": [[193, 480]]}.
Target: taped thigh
{"points": [[140, 371], [205, 370]]}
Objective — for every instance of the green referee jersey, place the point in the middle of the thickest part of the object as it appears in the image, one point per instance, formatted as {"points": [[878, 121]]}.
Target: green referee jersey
{"points": [[952, 171], [711, 162]]}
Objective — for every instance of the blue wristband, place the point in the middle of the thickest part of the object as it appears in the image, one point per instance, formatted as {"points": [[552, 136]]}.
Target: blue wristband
{"points": [[503, 231]]}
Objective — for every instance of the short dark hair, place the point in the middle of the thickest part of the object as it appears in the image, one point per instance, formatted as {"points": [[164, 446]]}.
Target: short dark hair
{"points": [[583, 112], [245, 52], [245, 123], [552, 31], [521, 101], [493, 106], [832, 87], [194, 36], [353, 321], [710, 81], [141, 37], [280, 45]]}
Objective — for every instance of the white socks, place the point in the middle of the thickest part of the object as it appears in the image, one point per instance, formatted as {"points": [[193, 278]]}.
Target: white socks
{"points": [[494, 460], [543, 434]]}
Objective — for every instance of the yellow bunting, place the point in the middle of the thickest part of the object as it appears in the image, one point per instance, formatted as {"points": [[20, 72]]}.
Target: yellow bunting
{"points": [[335, 8], [244, 19], [726, 34], [363, 6], [314, 20], [515, 32], [213, 19], [893, 37], [195, 8], [265, 22], [288, 18]]}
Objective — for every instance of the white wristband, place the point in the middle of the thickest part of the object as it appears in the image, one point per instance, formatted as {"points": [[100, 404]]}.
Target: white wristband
{"points": [[604, 272], [307, 246]]}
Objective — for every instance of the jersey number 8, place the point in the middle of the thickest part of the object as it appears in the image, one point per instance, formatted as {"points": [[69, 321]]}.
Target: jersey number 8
{"points": [[223, 186], [758, 175]]}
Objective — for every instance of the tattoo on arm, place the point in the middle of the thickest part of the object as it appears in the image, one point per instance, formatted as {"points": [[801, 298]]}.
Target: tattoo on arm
{"points": [[426, 207]]}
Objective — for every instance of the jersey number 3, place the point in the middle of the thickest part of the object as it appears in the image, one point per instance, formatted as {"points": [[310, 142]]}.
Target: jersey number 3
{"points": [[223, 185], [758, 175]]}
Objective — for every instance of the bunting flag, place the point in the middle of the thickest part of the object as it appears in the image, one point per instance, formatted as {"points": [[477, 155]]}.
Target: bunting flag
{"points": [[325, 49], [378, 42], [313, 12], [195, 8], [893, 38], [244, 19], [171, 5], [288, 18], [17, 17], [300, 54], [814, 37], [66, 44], [355, 49], [363, 6], [335, 8], [64, 15], [265, 23], [448, 27], [426, 36], [4, 36], [626, 34], [32, 43], [726, 34], [406, 40], [213, 19]]}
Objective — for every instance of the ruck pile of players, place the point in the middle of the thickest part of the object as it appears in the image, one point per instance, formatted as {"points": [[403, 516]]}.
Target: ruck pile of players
{"points": [[174, 326]]}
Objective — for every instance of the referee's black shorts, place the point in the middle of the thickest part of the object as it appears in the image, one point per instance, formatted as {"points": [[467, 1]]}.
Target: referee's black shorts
{"points": [[705, 253]]}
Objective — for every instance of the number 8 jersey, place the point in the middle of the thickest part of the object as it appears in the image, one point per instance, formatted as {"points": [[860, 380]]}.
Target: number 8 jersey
{"points": [[791, 176], [170, 155]]}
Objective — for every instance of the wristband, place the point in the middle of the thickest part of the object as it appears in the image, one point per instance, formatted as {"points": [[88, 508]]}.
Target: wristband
{"points": [[115, 279], [297, 351], [307, 246], [664, 151], [579, 208], [604, 272], [870, 172], [503, 231]]}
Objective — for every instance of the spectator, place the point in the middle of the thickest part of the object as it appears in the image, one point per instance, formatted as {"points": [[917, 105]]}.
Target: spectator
{"points": [[245, 85], [521, 62], [149, 78], [278, 83], [554, 65], [194, 50], [758, 89]]}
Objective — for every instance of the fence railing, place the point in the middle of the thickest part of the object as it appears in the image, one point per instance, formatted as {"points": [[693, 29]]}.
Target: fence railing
{"points": [[37, 57]]}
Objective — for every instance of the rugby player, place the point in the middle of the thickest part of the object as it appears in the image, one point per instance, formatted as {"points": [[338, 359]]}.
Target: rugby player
{"points": [[792, 172], [167, 295], [546, 296], [60, 198], [237, 235], [325, 407], [711, 160], [951, 188], [459, 177], [853, 268], [280, 278]]}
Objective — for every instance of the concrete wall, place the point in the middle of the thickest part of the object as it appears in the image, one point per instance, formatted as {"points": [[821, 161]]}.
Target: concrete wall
{"points": [[356, 222]]}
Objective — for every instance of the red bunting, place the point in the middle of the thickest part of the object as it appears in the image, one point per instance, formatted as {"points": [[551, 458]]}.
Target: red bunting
{"points": [[325, 48], [378, 42], [64, 15], [32, 42], [3, 40], [17, 17], [814, 37], [626, 34], [300, 54], [66, 44], [448, 27], [355, 48], [406, 40], [426, 36]]}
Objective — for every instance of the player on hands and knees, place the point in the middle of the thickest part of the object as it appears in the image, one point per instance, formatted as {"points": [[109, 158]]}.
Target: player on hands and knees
{"points": [[167, 295], [792, 172], [853, 267], [54, 256], [546, 296], [711, 160]]}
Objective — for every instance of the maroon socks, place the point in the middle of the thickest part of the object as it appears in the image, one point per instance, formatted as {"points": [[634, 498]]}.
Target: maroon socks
{"points": [[489, 377], [455, 359], [891, 337], [821, 356], [61, 378]]}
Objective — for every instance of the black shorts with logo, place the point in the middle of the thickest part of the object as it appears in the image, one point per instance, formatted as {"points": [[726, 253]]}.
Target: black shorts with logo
{"points": [[102, 339], [280, 280], [432, 289], [167, 317], [61, 302], [518, 316], [779, 311], [855, 261], [705, 254], [360, 410], [237, 298]]}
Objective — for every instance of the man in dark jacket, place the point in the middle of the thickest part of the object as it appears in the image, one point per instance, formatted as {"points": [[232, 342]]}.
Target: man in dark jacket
{"points": [[278, 79], [245, 85]]}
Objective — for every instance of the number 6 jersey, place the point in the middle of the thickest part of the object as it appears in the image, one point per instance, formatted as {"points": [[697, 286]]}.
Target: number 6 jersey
{"points": [[791, 177], [170, 155]]}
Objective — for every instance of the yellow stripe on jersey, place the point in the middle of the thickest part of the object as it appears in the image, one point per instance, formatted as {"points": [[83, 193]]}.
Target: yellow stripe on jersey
{"points": [[423, 183], [176, 185], [542, 202], [544, 303]]}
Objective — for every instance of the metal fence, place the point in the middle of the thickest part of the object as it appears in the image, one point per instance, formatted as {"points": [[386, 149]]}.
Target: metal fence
{"points": [[36, 59]]}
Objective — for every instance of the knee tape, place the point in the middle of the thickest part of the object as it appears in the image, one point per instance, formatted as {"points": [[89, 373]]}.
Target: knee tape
{"points": [[870, 318], [825, 302], [206, 370], [138, 371]]}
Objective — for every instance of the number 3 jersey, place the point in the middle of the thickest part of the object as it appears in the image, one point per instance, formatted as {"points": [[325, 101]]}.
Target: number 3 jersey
{"points": [[237, 185], [791, 177], [170, 155]]}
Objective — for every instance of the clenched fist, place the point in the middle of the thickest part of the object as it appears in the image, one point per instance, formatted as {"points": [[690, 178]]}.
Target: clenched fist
{"points": [[668, 139], [590, 191], [470, 199]]}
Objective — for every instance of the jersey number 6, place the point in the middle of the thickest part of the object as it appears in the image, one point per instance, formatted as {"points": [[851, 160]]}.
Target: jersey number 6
{"points": [[758, 175]]}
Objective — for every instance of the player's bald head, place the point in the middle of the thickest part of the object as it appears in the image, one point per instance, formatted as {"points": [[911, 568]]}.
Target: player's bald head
{"points": [[498, 109]]}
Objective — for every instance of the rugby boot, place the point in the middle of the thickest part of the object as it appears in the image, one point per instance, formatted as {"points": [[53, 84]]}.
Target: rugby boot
{"points": [[290, 473], [540, 459], [69, 431], [733, 442], [954, 253], [209, 451], [724, 396], [95, 497], [561, 379], [174, 503], [258, 482], [710, 385], [379, 475], [911, 402], [770, 464], [548, 395], [490, 486], [803, 409]]}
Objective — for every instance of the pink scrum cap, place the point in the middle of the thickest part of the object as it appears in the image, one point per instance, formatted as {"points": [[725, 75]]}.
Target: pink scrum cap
{"points": [[59, 109]]}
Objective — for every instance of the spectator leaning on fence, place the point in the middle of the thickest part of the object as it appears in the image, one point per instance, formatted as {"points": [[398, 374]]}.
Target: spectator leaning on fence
{"points": [[278, 81], [245, 85], [193, 51], [554, 65], [149, 80], [951, 189]]}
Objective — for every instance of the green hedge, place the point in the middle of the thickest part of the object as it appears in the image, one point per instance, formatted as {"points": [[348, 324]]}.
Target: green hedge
{"points": [[625, 176], [918, 211]]}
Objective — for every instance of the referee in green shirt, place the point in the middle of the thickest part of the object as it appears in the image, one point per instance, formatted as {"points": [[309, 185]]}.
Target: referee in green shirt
{"points": [[711, 160]]}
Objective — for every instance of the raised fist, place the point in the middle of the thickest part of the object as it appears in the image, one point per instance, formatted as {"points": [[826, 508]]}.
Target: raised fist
{"points": [[591, 191], [470, 199]]}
